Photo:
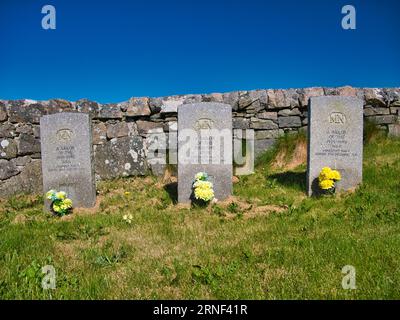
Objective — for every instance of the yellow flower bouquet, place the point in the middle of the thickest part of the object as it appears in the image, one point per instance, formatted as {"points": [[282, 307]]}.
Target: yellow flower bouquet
{"points": [[202, 188], [327, 180], [60, 204]]}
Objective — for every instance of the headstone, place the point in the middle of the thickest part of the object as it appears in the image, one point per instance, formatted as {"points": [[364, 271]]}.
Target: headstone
{"points": [[335, 140], [66, 144], [204, 145]]}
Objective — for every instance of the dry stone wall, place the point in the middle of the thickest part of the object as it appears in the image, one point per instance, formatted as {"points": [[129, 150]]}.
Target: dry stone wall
{"points": [[120, 130]]}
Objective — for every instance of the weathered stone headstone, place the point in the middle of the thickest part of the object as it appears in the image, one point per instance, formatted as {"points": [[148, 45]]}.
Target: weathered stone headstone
{"points": [[335, 140], [66, 144], [205, 145]]}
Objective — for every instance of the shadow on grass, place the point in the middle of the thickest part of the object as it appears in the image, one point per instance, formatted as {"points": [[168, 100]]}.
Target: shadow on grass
{"points": [[294, 180], [172, 190]]}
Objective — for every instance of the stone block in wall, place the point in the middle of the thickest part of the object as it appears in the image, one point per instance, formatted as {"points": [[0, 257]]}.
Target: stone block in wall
{"points": [[329, 91], [7, 130], [7, 169], [289, 122], [192, 98], [155, 105], [292, 98], [26, 111], [307, 93], [276, 99], [117, 130], [120, 157], [250, 112], [99, 133], [87, 106], [388, 119], [240, 123], [268, 115], [263, 124], [170, 105], [145, 126], [109, 111], [261, 97], [28, 181], [59, 105], [249, 100], [232, 98], [138, 107], [132, 128], [24, 128], [395, 110], [3, 111], [21, 161], [36, 131], [393, 96], [347, 91], [289, 112], [8, 148], [27, 144], [213, 97], [374, 97], [266, 134], [371, 111]]}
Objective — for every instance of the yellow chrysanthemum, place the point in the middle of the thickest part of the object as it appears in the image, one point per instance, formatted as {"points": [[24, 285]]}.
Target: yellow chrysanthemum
{"points": [[325, 174], [335, 175], [203, 184], [61, 195], [56, 207], [326, 184], [67, 203], [205, 194]]}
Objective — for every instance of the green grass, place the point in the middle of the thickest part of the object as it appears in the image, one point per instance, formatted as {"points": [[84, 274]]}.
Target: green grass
{"points": [[269, 241]]}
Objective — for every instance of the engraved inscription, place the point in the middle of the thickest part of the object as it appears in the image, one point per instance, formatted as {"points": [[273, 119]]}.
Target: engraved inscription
{"points": [[65, 159], [336, 145]]}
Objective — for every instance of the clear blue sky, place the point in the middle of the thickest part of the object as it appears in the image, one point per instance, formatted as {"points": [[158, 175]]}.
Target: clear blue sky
{"points": [[109, 51]]}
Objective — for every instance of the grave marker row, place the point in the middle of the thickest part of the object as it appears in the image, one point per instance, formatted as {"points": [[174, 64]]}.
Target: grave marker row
{"points": [[205, 145]]}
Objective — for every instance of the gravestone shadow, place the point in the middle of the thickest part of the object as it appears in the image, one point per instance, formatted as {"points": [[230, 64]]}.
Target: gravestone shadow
{"points": [[172, 190], [294, 180], [315, 189]]}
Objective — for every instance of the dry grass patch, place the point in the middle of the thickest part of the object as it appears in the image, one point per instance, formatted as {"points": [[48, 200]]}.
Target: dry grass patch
{"points": [[287, 159]]}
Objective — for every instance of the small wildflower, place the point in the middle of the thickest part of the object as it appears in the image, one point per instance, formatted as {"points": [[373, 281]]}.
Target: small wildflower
{"points": [[128, 218]]}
